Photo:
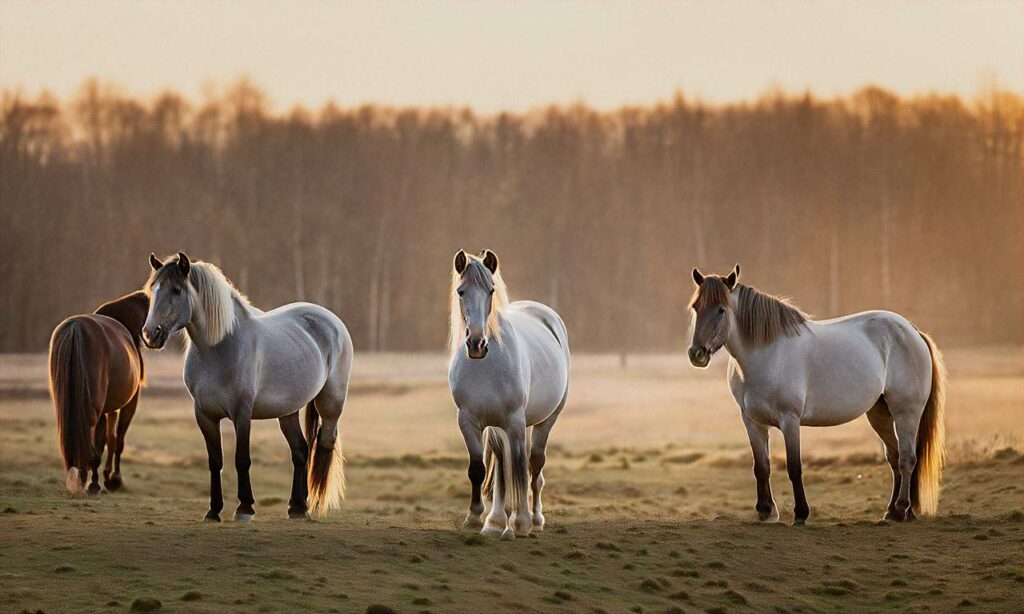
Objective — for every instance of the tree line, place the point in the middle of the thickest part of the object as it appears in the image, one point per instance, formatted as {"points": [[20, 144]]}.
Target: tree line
{"points": [[858, 202]]}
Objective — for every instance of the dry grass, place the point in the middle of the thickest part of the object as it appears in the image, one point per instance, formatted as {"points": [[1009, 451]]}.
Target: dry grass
{"points": [[649, 502]]}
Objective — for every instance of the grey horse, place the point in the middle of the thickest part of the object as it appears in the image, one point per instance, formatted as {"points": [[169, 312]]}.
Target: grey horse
{"points": [[509, 371], [244, 364]]}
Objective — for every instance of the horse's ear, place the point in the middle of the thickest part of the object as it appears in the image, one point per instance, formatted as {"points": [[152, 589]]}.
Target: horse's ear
{"points": [[698, 277], [491, 261], [155, 262], [183, 264], [733, 277], [460, 262]]}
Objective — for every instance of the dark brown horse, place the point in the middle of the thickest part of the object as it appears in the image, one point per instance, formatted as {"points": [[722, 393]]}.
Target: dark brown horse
{"points": [[96, 373]]}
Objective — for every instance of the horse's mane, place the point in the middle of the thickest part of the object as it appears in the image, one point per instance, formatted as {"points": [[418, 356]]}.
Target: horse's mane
{"points": [[475, 271], [762, 318], [210, 292]]}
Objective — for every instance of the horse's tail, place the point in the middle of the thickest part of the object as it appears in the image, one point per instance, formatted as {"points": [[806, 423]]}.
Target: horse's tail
{"points": [[506, 465], [494, 460], [931, 439], [326, 477], [69, 388]]}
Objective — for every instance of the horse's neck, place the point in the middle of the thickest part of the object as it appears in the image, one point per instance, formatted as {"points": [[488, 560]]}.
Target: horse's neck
{"points": [[196, 328]]}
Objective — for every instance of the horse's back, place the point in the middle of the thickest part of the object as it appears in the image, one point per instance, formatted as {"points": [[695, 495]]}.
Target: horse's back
{"points": [[113, 359], [302, 348], [855, 359]]}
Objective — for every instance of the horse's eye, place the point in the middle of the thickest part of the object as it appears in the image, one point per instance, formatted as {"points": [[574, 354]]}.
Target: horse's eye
{"points": [[721, 310], [176, 291], [461, 291], [492, 290]]}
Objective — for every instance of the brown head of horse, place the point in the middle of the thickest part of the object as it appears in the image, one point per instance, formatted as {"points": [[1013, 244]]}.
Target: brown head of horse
{"points": [[96, 373]]}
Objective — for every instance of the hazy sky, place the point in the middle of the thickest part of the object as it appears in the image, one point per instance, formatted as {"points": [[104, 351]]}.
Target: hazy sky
{"points": [[503, 55]]}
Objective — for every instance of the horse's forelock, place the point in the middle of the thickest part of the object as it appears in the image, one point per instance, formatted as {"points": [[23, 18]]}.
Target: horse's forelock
{"points": [[710, 293]]}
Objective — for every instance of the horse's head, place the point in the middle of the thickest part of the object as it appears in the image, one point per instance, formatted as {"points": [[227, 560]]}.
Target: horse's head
{"points": [[170, 306], [475, 285], [713, 314]]}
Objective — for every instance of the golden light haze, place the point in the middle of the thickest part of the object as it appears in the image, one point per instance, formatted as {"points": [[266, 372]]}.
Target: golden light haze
{"points": [[502, 55]]}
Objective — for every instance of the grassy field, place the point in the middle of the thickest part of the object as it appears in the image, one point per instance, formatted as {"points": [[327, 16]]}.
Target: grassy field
{"points": [[649, 504]]}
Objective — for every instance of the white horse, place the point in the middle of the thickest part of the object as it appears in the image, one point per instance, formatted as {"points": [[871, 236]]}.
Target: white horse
{"points": [[509, 371], [244, 364], [788, 371]]}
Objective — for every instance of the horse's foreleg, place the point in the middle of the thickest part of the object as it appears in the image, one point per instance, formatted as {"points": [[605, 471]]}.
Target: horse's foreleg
{"points": [[99, 439], [473, 435], [522, 520], [790, 427], [124, 419], [210, 427], [245, 510], [292, 430], [758, 435]]}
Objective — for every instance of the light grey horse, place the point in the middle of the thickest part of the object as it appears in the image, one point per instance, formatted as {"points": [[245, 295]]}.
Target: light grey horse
{"points": [[509, 371], [244, 364], [787, 371]]}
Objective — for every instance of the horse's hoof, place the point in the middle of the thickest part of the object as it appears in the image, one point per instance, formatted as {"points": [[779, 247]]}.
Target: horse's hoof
{"points": [[771, 516], [492, 528], [894, 515], [473, 522], [296, 515], [113, 483], [523, 528], [538, 523], [508, 535], [94, 489], [211, 517], [799, 522], [243, 517]]}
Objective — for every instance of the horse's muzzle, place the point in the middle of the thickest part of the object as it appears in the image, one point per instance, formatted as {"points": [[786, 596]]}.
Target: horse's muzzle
{"points": [[154, 338], [699, 357], [476, 348]]}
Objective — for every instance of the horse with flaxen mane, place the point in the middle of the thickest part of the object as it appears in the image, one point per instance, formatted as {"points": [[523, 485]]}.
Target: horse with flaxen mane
{"points": [[509, 372], [244, 364], [787, 371], [96, 373]]}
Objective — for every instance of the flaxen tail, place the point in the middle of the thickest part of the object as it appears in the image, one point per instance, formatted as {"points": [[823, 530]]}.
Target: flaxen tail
{"points": [[502, 464], [495, 459], [326, 467], [931, 439], [69, 388]]}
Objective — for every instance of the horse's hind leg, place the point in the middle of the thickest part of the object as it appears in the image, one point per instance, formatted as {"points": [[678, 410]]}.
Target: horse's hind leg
{"points": [[473, 435], [292, 430], [538, 457], [111, 427], [907, 418], [881, 421], [99, 439], [124, 419]]}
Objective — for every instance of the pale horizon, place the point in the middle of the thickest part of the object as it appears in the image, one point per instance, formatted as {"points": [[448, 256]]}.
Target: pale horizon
{"points": [[503, 56]]}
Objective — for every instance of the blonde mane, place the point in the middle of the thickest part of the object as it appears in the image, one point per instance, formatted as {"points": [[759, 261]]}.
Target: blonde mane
{"points": [[209, 292], [457, 325], [762, 318]]}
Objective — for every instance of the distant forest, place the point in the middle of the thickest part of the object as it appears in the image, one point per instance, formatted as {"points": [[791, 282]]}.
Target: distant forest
{"points": [[869, 201]]}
